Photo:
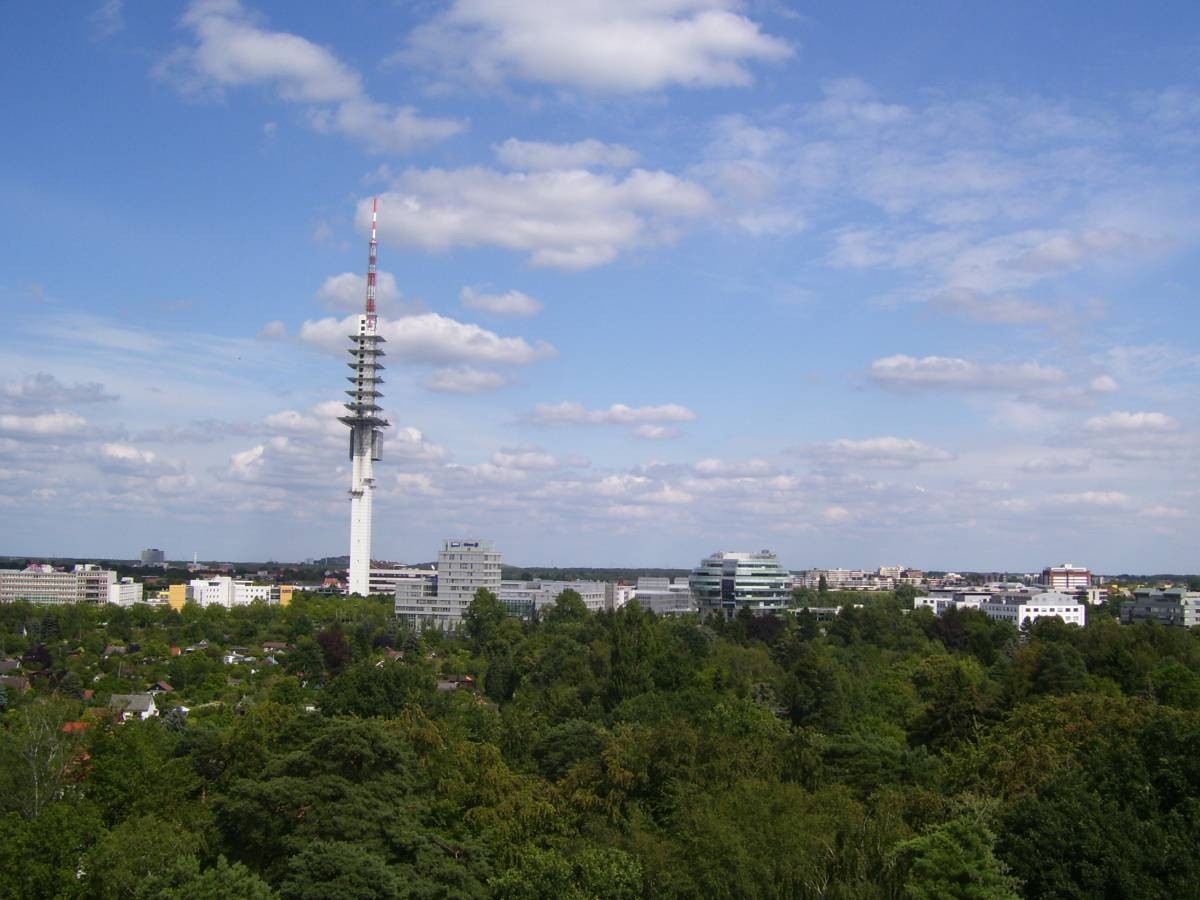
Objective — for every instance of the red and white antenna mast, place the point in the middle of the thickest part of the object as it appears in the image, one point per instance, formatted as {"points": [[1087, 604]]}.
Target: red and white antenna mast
{"points": [[371, 265]]}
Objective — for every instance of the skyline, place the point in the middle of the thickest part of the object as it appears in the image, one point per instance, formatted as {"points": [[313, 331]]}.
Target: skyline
{"points": [[768, 279]]}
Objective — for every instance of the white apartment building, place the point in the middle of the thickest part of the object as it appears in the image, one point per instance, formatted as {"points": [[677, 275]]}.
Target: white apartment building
{"points": [[523, 598], [41, 583], [228, 592], [1066, 577], [125, 592], [1019, 608]]}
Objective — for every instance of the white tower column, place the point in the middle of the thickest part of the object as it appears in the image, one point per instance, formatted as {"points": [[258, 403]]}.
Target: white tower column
{"points": [[366, 429]]}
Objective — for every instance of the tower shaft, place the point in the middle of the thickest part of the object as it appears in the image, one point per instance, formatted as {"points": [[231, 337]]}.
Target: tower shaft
{"points": [[366, 426]]}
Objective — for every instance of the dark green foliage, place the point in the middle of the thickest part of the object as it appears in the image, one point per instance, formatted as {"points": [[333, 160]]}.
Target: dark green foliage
{"points": [[377, 689], [880, 753]]}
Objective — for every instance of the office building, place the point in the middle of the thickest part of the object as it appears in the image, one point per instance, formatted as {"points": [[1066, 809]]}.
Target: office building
{"points": [[1066, 577], [524, 598], [385, 581], [665, 596], [154, 557], [1020, 608], [463, 567], [726, 581], [1173, 606], [41, 583]]}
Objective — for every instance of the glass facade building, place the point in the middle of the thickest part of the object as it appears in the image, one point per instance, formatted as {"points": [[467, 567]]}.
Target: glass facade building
{"points": [[726, 581]]}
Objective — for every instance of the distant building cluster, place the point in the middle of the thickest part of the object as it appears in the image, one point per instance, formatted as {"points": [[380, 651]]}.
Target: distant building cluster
{"points": [[228, 592], [885, 578], [154, 557], [84, 583]]}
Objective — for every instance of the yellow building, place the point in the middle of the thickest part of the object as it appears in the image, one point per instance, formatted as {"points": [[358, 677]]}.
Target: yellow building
{"points": [[177, 596]]}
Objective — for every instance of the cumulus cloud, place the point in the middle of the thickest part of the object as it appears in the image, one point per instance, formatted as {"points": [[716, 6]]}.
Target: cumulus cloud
{"points": [[620, 46], [881, 451], [232, 50], [430, 338], [120, 458], [348, 292], [567, 413], [947, 373], [1125, 422], [510, 303], [586, 154], [463, 380], [565, 219]]}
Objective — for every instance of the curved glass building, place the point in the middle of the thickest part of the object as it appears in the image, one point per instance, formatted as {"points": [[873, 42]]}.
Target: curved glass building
{"points": [[726, 581]]}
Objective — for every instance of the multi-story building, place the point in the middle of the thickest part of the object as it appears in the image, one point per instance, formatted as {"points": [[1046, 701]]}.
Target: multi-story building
{"points": [[617, 594], [1066, 577], [125, 592], [463, 567], [226, 591], [153, 557], [1019, 608], [665, 596], [726, 581], [524, 598], [385, 581], [1173, 606], [41, 583]]}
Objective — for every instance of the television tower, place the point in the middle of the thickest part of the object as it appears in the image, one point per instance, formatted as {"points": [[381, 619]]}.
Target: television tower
{"points": [[366, 426]]}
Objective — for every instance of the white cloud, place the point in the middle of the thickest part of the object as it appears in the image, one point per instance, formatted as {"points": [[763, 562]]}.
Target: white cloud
{"points": [[655, 432], [851, 101], [620, 46], [563, 219], [1055, 464], [881, 451], [348, 292], [586, 154], [618, 414], [430, 338], [463, 380], [907, 373], [1096, 499], [1125, 422], [232, 50], [510, 303], [44, 425], [836, 514], [535, 459]]}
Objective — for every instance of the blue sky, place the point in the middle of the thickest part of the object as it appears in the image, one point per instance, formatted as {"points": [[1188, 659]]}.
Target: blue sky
{"points": [[888, 284]]}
